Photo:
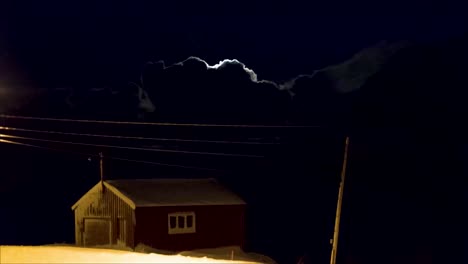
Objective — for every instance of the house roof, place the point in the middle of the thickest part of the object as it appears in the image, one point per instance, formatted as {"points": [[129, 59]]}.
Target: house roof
{"points": [[172, 192]]}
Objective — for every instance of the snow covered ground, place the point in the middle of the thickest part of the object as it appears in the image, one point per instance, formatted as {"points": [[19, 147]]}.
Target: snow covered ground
{"points": [[71, 254], [233, 252]]}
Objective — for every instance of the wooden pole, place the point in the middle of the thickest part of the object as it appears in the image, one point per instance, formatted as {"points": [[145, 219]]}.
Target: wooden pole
{"points": [[338, 207], [101, 167]]}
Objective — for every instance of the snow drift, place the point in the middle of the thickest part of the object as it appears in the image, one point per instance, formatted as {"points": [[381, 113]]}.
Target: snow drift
{"points": [[70, 254]]}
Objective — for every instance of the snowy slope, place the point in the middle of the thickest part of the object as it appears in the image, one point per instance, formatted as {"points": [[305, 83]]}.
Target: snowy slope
{"points": [[70, 254], [220, 253], [233, 252]]}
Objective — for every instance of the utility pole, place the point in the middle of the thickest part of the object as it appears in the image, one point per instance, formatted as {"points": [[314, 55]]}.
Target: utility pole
{"points": [[101, 167], [338, 207]]}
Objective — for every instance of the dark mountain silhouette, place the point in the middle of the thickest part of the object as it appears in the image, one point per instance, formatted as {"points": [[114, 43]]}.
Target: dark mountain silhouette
{"points": [[407, 127], [421, 86]]}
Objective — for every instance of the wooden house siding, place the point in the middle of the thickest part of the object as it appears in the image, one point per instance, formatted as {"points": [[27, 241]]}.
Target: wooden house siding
{"points": [[110, 215], [216, 226], [104, 206]]}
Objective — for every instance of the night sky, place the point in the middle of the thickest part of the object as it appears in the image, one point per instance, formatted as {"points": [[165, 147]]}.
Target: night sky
{"points": [[391, 75]]}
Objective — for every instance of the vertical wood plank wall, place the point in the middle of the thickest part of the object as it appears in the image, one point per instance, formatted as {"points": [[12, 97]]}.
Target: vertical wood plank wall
{"points": [[105, 205]]}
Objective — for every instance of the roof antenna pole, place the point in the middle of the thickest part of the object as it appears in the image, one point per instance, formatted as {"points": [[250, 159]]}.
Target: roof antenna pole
{"points": [[101, 167], [334, 241]]}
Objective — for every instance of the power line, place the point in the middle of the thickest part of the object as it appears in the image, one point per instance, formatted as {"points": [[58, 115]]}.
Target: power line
{"points": [[163, 164], [138, 138], [135, 148], [149, 123], [42, 147], [109, 157]]}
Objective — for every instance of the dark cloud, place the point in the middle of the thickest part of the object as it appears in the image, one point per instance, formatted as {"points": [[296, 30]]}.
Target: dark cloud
{"points": [[352, 74], [229, 91], [225, 91]]}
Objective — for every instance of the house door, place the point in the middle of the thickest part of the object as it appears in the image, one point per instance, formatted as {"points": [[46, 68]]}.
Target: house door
{"points": [[97, 232], [121, 232]]}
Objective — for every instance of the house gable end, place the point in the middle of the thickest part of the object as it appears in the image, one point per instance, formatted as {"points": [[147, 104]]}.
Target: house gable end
{"points": [[83, 198], [97, 188]]}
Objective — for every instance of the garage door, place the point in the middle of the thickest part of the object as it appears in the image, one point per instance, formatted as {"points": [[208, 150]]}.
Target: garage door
{"points": [[96, 232]]}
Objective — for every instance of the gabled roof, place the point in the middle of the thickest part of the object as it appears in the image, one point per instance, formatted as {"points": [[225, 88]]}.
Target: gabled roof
{"points": [[171, 192]]}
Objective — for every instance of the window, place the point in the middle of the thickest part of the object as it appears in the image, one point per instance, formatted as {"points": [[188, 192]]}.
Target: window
{"points": [[189, 220], [181, 223], [172, 222]]}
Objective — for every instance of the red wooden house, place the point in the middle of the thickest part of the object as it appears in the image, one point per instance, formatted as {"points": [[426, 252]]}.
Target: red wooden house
{"points": [[167, 214]]}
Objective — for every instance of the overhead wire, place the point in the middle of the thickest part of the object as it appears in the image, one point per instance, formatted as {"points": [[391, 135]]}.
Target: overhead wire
{"points": [[138, 138], [109, 157], [4, 116], [163, 164], [4, 127], [152, 123], [134, 148], [42, 147]]}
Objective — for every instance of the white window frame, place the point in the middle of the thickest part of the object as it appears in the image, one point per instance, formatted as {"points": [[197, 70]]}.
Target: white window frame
{"points": [[177, 229]]}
